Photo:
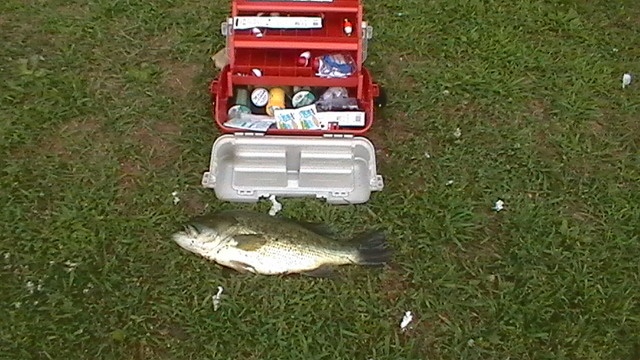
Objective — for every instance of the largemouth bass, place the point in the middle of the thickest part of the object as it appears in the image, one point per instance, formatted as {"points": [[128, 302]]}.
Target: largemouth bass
{"points": [[262, 244]]}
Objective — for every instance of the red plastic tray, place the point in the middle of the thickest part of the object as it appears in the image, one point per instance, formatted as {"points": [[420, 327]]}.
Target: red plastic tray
{"points": [[360, 86], [275, 54]]}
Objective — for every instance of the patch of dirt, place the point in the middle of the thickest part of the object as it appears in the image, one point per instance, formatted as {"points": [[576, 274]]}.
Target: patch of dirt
{"points": [[579, 212], [73, 139], [467, 109], [159, 142], [140, 350], [193, 202], [163, 41], [480, 253], [422, 331], [486, 248], [105, 85], [394, 284], [596, 128], [538, 109], [395, 71], [180, 78], [388, 132], [75, 11], [130, 173], [173, 331], [543, 144]]}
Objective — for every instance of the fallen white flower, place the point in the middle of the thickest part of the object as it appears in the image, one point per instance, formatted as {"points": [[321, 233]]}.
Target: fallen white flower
{"points": [[457, 133], [87, 289], [275, 207], [471, 343], [626, 80], [216, 299], [406, 319], [427, 155], [31, 287], [176, 199], [499, 205], [70, 265]]}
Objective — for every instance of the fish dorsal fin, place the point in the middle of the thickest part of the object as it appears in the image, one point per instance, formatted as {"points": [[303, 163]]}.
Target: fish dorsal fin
{"points": [[250, 242], [318, 228], [220, 221]]}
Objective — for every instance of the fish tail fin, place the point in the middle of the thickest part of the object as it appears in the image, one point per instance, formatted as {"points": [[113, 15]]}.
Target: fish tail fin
{"points": [[372, 248]]}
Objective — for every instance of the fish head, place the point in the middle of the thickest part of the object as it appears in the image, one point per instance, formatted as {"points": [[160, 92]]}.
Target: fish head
{"points": [[199, 239]]}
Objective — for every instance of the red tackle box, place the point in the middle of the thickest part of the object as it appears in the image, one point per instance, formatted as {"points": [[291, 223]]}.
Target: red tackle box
{"points": [[273, 48]]}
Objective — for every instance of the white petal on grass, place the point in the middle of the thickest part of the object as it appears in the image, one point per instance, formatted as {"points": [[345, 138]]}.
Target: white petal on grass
{"points": [[471, 343], [70, 265], [406, 319], [216, 299], [499, 205], [275, 206], [87, 289], [626, 80], [31, 287], [176, 199]]}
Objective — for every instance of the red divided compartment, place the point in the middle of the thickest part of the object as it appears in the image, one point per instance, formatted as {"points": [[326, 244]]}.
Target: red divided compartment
{"points": [[276, 53]]}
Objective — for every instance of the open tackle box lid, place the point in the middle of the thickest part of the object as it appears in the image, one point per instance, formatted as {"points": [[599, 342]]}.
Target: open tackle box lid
{"points": [[246, 167]]}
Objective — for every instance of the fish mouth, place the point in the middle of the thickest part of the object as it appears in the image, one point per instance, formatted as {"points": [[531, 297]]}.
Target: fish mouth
{"points": [[192, 230], [193, 233], [186, 236]]}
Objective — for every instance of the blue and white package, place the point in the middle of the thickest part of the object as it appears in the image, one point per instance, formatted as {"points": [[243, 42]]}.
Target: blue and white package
{"points": [[334, 66]]}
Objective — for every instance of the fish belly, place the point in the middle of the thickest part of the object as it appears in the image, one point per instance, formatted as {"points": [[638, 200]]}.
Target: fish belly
{"points": [[269, 261]]}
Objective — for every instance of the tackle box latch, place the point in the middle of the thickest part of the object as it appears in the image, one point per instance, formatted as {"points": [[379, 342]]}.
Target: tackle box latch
{"points": [[348, 136], [226, 27], [240, 133]]}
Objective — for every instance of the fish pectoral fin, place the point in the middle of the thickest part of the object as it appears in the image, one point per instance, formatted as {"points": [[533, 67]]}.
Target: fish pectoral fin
{"points": [[324, 271], [250, 242], [241, 267]]}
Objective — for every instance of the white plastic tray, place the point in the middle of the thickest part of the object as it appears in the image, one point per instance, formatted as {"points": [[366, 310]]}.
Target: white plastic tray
{"points": [[245, 168]]}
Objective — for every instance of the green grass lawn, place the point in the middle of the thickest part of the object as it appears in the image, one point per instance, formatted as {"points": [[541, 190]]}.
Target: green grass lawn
{"points": [[104, 112]]}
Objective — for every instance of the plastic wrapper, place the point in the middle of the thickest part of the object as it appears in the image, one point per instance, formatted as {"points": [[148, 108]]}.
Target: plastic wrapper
{"points": [[335, 92], [337, 104], [334, 66]]}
